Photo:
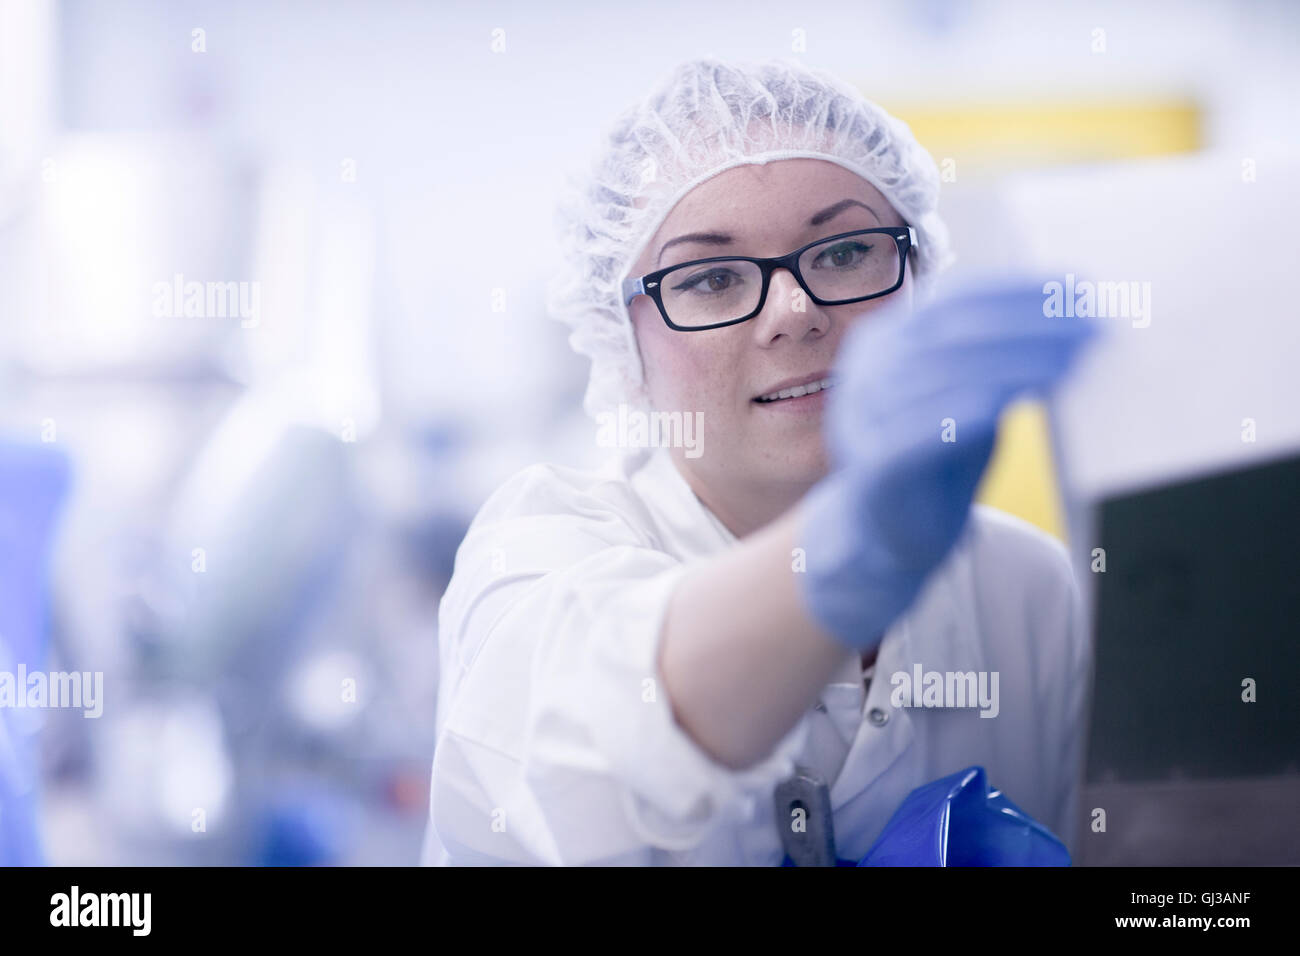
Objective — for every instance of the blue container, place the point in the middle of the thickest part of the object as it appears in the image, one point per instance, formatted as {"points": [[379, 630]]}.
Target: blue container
{"points": [[959, 820]]}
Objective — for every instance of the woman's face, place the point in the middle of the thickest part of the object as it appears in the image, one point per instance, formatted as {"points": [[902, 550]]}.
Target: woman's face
{"points": [[752, 452]]}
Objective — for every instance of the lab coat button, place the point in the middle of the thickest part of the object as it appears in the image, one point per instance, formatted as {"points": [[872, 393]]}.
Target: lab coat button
{"points": [[821, 708], [878, 716]]}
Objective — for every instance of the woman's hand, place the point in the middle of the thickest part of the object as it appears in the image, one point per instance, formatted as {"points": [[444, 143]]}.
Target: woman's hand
{"points": [[910, 427]]}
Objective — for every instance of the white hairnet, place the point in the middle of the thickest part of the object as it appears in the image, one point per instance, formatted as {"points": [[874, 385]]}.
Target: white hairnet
{"points": [[711, 115]]}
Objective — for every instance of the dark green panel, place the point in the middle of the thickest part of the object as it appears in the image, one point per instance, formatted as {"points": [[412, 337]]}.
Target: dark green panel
{"points": [[1201, 590]]}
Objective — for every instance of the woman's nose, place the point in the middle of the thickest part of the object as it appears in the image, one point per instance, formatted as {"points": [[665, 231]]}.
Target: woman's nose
{"points": [[788, 311]]}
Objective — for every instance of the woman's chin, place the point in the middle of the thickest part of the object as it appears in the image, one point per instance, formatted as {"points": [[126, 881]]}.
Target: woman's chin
{"points": [[797, 467]]}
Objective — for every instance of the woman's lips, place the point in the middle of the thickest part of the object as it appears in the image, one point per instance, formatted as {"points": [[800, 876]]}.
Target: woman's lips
{"points": [[811, 403]]}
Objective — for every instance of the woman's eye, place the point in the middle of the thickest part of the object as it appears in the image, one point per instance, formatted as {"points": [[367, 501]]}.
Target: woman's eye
{"points": [[842, 256], [712, 282]]}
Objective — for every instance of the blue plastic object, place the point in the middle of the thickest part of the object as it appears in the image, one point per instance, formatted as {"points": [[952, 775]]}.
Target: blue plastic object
{"points": [[33, 482], [959, 820], [308, 825], [910, 427]]}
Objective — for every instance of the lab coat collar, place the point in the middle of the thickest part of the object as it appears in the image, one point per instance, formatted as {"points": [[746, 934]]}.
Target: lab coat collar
{"points": [[683, 517]]}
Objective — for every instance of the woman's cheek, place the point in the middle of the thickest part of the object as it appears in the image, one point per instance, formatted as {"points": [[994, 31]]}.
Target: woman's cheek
{"points": [[656, 359], [712, 376], [682, 373]]}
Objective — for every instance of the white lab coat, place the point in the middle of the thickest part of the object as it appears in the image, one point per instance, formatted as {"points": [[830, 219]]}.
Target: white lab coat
{"points": [[556, 742]]}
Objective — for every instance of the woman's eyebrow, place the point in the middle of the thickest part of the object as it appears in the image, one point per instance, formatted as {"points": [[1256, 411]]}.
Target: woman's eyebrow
{"points": [[830, 212], [707, 238], [723, 239]]}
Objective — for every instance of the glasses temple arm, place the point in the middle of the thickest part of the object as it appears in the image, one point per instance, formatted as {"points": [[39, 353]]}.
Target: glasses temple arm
{"points": [[631, 289]]}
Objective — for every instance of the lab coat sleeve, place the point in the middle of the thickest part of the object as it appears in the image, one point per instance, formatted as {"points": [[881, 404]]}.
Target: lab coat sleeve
{"points": [[559, 744]]}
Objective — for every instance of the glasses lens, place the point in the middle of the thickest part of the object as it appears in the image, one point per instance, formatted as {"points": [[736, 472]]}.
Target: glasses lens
{"points": [[852, 267], [711, 292]]}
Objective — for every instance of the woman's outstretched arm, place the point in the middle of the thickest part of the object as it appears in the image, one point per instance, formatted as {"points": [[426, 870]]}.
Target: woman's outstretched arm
{"points": [[741, 658]]}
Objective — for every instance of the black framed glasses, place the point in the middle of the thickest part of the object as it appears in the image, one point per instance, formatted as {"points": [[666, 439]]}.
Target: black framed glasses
{"points": [[724, 290]]}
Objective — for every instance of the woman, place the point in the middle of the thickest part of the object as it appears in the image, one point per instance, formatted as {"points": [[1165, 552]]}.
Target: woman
{"points": [[633, 659]]}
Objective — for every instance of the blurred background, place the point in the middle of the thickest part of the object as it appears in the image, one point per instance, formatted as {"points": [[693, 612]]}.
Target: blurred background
{"points": [[250, 511]]}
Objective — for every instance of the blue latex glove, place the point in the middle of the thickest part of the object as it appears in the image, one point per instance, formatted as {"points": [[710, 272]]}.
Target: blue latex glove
{"points": [[898, 495]]}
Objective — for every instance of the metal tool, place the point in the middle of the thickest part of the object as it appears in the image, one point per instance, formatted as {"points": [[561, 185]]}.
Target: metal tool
{"points": [[803, 819]]}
